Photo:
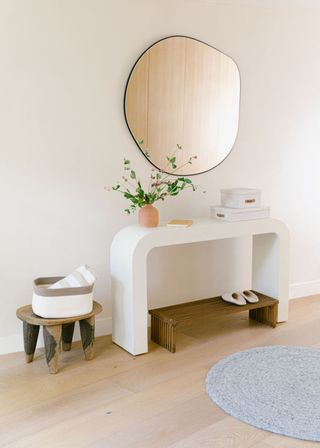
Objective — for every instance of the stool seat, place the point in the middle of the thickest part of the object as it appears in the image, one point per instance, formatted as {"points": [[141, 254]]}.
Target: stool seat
{"points": [[26, 314], [55, 331]]}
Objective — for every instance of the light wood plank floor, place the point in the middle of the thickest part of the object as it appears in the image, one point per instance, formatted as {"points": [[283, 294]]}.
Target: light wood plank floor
{"points": [[154, 400]]}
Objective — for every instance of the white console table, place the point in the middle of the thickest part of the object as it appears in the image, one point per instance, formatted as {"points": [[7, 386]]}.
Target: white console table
{"points": [[129, 250]]}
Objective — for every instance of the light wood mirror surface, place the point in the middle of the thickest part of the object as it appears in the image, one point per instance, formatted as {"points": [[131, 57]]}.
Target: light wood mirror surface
{"points": [[183, 92]]}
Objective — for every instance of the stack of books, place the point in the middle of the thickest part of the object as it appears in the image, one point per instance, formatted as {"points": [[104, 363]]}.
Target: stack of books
{"points": [[240, 204]]}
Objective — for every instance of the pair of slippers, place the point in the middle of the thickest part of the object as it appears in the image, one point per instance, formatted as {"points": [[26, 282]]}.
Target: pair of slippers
{"points": [[240, 298]]}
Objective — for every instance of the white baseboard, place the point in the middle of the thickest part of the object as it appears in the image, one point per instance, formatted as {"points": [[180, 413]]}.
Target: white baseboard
{"points": [[14, 342], [304, 289]]}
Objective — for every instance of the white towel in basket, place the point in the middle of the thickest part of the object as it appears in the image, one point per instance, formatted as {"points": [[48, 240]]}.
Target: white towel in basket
{"points": [[82, 276]]}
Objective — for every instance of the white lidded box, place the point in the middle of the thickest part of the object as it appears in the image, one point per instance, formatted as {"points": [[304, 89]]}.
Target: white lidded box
{"points": [[241, 197], [238, 214], [62, 302]]}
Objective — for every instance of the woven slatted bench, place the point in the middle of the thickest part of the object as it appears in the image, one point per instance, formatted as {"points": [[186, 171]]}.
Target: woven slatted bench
{"points": [[165, 320]]}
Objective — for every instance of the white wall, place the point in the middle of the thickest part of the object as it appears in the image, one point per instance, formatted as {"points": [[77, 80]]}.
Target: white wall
{"points": [[64, 65]]}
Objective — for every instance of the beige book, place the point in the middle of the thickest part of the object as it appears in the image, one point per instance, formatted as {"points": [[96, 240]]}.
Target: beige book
{"points": [[180, 223]]}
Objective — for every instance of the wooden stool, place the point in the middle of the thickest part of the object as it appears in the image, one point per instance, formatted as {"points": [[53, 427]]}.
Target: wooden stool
{"points": [[55, 331]]}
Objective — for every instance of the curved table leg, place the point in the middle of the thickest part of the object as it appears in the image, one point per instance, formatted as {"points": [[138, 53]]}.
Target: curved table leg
{"points": [[270, 269]]}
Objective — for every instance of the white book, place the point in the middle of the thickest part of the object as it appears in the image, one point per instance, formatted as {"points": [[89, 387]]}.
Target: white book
{"points": [[237, 214]]}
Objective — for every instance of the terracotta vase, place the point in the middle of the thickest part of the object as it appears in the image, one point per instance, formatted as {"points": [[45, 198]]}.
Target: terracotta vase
{"points": [[148, 216]]}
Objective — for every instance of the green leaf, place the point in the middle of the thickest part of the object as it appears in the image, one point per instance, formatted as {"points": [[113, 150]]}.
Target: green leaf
{"points": [[185, 179], [126, 162], [140, 192], [133, 174]]}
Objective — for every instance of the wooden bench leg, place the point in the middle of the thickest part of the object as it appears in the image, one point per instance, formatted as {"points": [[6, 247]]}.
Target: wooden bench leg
{"points": [[67, 335], [30, 337], [87, 336], [164, 333], [267, 315], [52, 341]]}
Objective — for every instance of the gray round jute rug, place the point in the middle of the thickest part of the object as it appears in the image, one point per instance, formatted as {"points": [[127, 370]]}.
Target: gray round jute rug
{"points": [[275, 388]]}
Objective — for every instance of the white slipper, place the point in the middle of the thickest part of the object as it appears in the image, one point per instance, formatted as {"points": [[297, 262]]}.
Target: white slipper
{"points": [[234, 297], [250, 296]]}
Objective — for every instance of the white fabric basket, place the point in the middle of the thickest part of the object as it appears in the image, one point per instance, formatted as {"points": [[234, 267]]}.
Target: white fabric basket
{"points": [[63, 302]]}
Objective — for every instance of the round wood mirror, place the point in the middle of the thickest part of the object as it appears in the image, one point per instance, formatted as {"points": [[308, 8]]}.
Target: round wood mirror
{"points": [[182, 97]]}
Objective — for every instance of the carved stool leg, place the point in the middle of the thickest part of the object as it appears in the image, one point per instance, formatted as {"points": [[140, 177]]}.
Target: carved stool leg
{"points": [[30, 337], [87, 336], [52, 340], [67, 335]]}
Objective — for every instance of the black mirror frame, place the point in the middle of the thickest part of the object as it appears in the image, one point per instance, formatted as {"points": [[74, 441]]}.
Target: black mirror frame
{"points": [[125, 95]]}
